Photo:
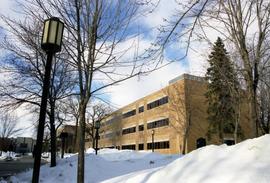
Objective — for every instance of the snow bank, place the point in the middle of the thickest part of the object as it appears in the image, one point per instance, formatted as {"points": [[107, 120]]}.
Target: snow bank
{"points": [[109, 163], [125, 155], [8, 154], [246, 162]]}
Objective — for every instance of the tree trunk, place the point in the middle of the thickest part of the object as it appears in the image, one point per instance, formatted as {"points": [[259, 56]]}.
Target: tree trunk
{"points": [[254, 113], [53, 137], [237, 119], [221, 134], [185, 137], [184, 144], [75, 140], [93, 138], [80, 170]]}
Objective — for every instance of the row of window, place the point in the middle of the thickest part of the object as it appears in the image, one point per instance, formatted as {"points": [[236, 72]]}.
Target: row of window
{"points": [[129, 130], [129, 113], [154, 124], [157, 103], [131, 146], [157, 145], [110, 121], [158, 123], [109, 135], [151, 105]]}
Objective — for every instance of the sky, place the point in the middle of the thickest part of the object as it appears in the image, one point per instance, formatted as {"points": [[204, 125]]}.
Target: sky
{"points": [[135, 88]]}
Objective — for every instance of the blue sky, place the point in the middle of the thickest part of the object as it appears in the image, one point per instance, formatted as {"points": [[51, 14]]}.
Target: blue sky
{"points": [[136, 88]]}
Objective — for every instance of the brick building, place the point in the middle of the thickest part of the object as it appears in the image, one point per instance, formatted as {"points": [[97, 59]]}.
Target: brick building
{"points": [[165, 117]]}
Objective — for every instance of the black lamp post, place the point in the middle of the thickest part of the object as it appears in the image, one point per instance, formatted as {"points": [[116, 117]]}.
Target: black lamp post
{"points": [[97, 126], [63, 137], [153, 133], [51, 43]]}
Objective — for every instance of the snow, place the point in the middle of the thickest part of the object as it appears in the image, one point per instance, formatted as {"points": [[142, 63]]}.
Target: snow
{"points": [[8, 154], [109, 163], [246, 162]]}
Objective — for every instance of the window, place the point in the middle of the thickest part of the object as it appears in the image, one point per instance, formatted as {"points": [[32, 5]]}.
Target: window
{"points": [[158, 123], [129, 113], [141, 146], [157, 103], [23, 145], [201, 142], [129, 130], [130, 146], [229, 142], [109, 147], [159, 145], [141, 109], [111, 121], [109, 135], [141, 127]]}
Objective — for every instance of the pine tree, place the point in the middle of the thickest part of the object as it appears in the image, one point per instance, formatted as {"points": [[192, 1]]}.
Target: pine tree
{"points": [[221, 92]]}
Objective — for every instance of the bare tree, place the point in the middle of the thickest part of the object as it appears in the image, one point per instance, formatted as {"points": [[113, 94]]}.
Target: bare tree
{"points": [[264, 101], [245, 24], [71, 106], [25, 65], [116, 129], [96, 113], [8, 128], [96, 35]]}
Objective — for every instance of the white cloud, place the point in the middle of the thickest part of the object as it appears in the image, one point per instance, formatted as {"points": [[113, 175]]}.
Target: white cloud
{"points": [[137, 88], [162, 9], [9, 8]]}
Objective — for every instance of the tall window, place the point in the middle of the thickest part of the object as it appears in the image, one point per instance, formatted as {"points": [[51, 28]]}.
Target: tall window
{"points": [[141, 127], [157, 103], [158, 123], [229, 142], [201, 142], [141, 146], [141, 109]]}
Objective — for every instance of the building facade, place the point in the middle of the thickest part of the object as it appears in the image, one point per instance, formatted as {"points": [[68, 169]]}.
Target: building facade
{"points": [[171, 120], [24, 145]]}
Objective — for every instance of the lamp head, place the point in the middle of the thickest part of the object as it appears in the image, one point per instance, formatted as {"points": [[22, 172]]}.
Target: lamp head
{"points": [[52, 35]]}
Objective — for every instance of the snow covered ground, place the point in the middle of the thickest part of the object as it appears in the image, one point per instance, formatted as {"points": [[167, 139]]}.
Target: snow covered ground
{"points": [[246, 162]]}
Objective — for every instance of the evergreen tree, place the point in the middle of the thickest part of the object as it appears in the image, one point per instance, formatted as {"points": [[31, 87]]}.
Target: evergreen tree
{"points": [[221, 92]]}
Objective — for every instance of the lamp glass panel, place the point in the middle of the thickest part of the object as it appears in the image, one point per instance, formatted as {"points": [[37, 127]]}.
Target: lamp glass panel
{"points": [[52, 32], [97, 124], [45, 32], [59, 33]]}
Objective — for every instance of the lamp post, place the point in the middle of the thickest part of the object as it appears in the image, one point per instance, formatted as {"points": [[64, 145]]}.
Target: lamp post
{"points": [[97, 126], [63, 137], [51, 43], [153, 133]]}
